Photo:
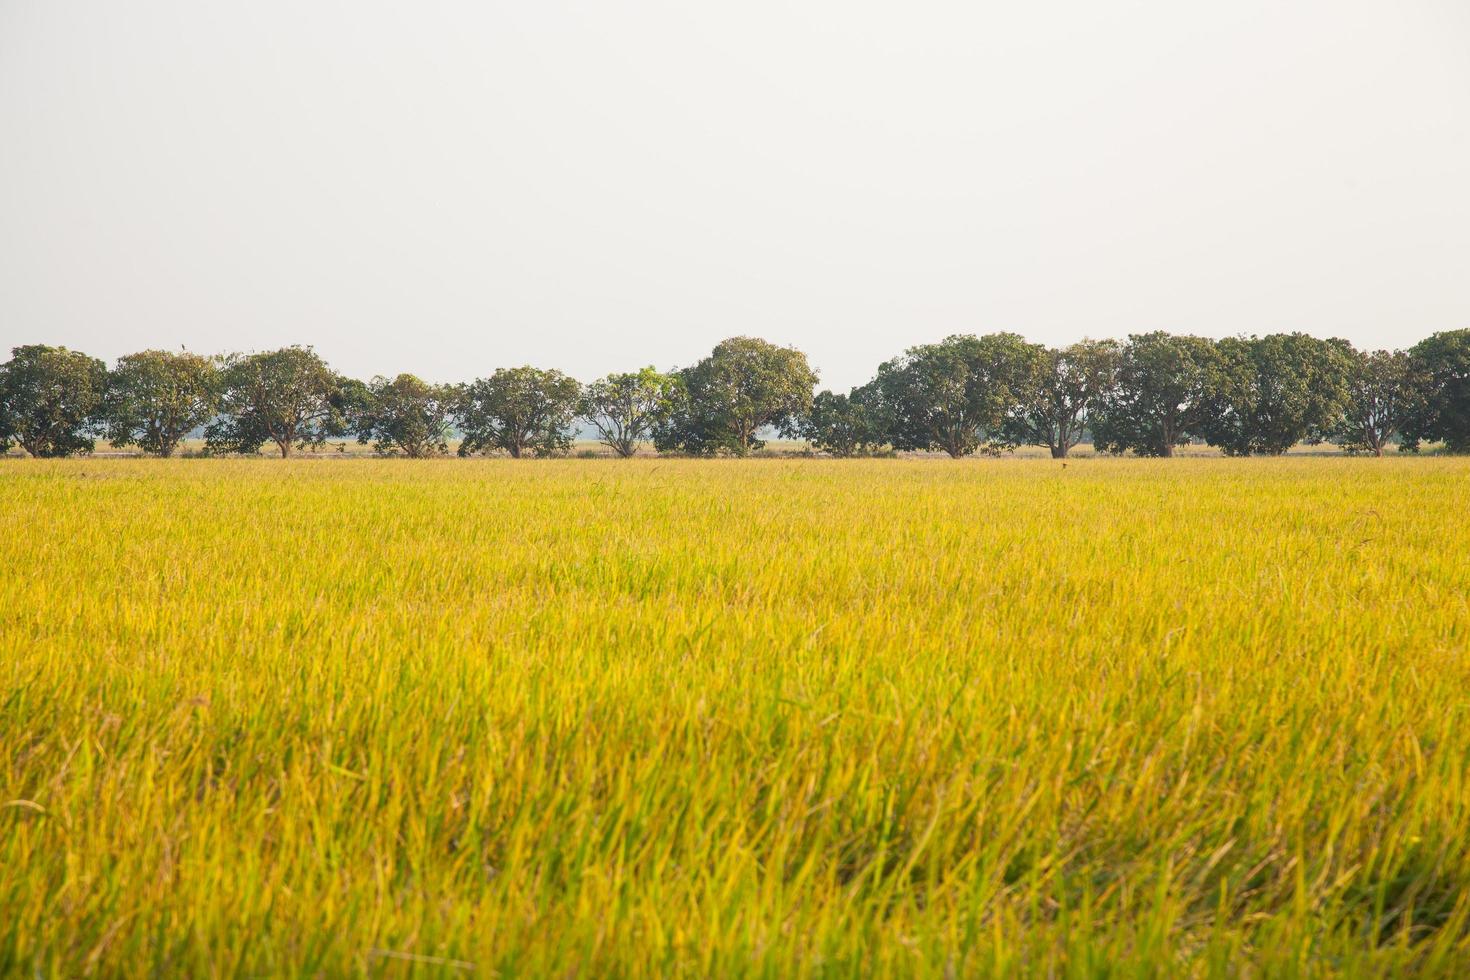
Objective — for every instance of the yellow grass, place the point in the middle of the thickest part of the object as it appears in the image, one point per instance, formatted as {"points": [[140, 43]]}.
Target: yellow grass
{"points": [[604, 718]]}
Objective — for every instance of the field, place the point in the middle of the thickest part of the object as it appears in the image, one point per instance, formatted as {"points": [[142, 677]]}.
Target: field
{"points": [[779, 717]]}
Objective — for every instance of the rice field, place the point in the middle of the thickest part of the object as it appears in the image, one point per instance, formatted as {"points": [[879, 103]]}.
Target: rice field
{"points": [[784, 718]]}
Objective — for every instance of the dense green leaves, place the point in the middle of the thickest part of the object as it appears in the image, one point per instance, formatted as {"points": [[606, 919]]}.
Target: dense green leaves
{"points": [[955, 396], [49, 400], [962, 395], [745, 385], [518, 411], [155, 398], [846, 425], [1070, 383], [1441, 364], [287, 397], [1269, 393], [1382, 392], [1160, 394], [626, 408], [405, 415]]}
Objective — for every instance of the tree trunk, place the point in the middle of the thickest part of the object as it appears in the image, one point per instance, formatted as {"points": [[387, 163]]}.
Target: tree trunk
{"points": [[1167, 449], [284, 447], [1060, 452]]}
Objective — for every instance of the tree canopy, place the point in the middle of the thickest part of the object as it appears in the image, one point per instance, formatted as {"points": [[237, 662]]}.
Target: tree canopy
{"points": [[846, 425], [1266, 394], [287, 397], [1159, 396], [965, 394], [1441, 366], [404, 415], [955, 396], [155, 398], [1382, 393], [49, 400], [744, 385], [627, 408], [518, 410], [1070, 383]]}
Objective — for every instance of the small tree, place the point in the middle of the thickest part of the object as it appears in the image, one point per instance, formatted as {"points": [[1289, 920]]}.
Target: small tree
{"points": [[49, 400], [155, 398], [287, 397], [845, 425], [1440, 366], [1071, 383], [626, 409], [404, 415], [1381, 392], [957, 395], [1269, 393], [746, 384], [518, 410], [1158, 398]]}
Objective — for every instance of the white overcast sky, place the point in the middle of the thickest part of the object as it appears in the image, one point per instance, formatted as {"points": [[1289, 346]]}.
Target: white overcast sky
{"points": [[446, 187]]}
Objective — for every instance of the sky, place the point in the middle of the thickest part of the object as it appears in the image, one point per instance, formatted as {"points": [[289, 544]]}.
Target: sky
{"points": [[449, 187]]}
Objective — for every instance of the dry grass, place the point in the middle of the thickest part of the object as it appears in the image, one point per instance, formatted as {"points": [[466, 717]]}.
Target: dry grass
{"points": [[789, 718]]}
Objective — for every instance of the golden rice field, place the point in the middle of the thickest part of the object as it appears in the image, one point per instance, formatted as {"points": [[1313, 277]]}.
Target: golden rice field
{"points": [[784, 718]]}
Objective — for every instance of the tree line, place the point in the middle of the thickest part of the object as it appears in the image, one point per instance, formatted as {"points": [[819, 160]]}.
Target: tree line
{"points": [[963, 395]]}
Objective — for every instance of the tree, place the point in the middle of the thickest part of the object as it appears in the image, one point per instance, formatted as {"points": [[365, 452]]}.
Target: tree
{"points": [[518, 410], [845, 425], [288, 397], [49, 400], [1158, 398], [956, 395], [1441, 366], [1382, 392], [745, 384], [1269, 393], [625, 409], [404, 415], [155, 398], [1071, 384]]}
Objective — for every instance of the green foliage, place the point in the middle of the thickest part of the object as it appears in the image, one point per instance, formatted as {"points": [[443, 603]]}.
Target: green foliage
{"points": [[845, 425], [627, 408], [745, 384], [1070, 384], [1160, 395], [1244, 395], [957, 395], [405, 415], [1269, 393], [1441, 407], [155, 398], [518, 410], [288, 397], [1382, 391], [49, 400]]}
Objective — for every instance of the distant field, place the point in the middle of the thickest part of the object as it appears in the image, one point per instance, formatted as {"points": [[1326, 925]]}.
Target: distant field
{"points": [[607, 718]]}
